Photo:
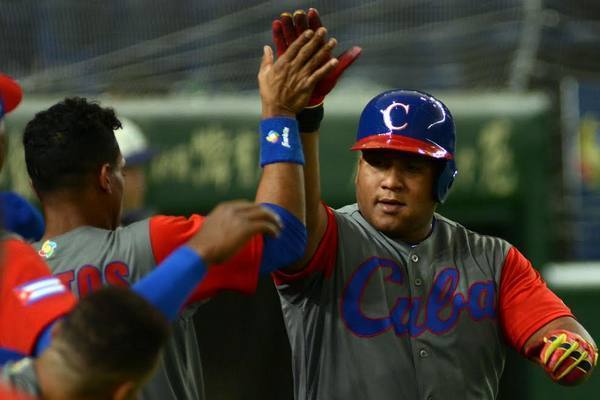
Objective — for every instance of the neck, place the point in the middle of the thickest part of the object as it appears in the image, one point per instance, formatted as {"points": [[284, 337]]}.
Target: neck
{"points": [[66, 211], [420, 234]]}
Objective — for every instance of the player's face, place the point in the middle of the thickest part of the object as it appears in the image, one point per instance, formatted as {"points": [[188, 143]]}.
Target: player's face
{"points": [[394, 191], [117, 185]]}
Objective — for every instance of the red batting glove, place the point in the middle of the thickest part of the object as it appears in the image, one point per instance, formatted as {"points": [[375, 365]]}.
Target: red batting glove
{"points": [[567, 357], [287, 28]]}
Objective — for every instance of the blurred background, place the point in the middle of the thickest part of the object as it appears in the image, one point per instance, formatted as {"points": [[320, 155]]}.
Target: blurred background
{"points": [[522, 78]]}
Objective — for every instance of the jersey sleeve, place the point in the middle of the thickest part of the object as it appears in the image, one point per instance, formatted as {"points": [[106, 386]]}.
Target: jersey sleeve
{"points": [[322, 261], [239, 273], [31, 297], [526, 304], [168, 233]]}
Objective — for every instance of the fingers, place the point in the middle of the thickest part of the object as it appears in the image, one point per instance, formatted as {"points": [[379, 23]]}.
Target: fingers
{"points": [[300, 20], [293, 50], [265, 64], [262, 227], [260, 218], [314, 20], [289, 32], [278, 38], [267, 58], [315, 44], [322, 72], [322, 56], [346, 59]]}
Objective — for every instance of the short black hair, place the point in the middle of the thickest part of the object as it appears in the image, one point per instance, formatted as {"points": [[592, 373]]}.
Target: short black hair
{"points": [[112, 336], [69, 141]]}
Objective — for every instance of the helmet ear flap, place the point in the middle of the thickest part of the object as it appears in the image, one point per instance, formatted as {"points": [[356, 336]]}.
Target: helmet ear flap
{"points": [[445, 180]]}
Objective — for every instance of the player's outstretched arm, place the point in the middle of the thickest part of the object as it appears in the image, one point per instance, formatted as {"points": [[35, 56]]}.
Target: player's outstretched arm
{"points": [[224, 231], [285, 30], [286, 86], [565, 350]]}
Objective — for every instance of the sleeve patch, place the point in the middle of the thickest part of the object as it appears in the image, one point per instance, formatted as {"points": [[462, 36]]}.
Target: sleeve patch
{"points": [[34, 291]]}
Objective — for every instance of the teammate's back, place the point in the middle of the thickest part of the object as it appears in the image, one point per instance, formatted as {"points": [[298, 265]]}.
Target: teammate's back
{"points": [[87, 258]]}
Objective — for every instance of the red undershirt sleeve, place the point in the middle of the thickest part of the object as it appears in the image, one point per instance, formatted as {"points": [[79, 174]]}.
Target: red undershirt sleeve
{"points": [[322, 261], [239, 273], [526, 303], [27, 312]]}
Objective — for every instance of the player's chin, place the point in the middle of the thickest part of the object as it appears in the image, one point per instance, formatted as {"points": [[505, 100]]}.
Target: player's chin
{"points": [[390, 225]]}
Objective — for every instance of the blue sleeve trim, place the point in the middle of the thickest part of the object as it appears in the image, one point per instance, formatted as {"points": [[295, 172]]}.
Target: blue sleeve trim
{"points": [[173, 281], [44, 338], [288, 247], [7, 355]]}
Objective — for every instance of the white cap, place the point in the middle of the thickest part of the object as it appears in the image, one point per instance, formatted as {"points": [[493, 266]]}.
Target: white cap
{"points": [[133, 143]]}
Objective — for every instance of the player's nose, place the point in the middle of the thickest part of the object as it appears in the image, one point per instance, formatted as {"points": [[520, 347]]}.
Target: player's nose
{"points": [[393, 178]]}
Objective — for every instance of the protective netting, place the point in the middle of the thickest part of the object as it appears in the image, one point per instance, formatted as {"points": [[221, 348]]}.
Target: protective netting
{"points": [[149, 46], [153, 46]]}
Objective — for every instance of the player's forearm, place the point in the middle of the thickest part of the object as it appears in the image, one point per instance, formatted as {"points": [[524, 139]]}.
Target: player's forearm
{"points": [[316, 216], [283, 184]]}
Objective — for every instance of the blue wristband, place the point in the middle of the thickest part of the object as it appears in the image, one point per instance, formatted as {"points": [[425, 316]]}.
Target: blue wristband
{"points": [[280, 141]]}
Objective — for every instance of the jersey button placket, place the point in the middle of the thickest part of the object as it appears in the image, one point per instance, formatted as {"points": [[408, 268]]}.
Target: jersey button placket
{"points": [[414, 258]]}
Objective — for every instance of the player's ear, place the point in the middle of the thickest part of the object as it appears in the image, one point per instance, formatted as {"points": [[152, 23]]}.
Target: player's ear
{"points": [[104, 177], [125, 391], [357, 167]]}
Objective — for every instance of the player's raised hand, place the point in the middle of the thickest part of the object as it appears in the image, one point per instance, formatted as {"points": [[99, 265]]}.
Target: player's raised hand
{"points": [[229, 226], [287, 84], [289, 27]]}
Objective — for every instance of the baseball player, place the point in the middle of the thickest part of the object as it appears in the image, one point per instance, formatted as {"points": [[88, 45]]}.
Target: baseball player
{"points": [[394, 301], [75, 167], [17, 214], [32, 300], [91, 355]]}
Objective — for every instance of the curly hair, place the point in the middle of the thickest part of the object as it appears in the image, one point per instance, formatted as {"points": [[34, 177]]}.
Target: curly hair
{"points": [[69, 141]]}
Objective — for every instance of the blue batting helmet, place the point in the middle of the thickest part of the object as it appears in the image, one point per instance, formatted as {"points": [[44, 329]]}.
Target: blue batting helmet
{"points": [[414, 122]]}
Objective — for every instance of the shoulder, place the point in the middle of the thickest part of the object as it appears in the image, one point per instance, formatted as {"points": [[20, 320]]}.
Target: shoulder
{"points": [[468, 242], [349, 218]]}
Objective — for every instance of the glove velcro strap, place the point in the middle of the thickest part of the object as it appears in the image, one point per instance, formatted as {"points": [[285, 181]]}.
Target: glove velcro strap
{"points": [[309, 119], [280, 141]]}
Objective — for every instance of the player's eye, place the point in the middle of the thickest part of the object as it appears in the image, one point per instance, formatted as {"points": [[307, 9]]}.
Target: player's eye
{"points": [[377, 160]]}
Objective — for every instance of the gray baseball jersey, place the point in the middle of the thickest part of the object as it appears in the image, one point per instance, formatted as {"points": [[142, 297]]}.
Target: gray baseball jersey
{"points": [[375, 318], [87, 258], [20, 375]]}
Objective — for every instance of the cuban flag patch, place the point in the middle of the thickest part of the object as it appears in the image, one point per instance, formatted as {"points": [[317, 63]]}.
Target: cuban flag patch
{"points": [[39, 289]]}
